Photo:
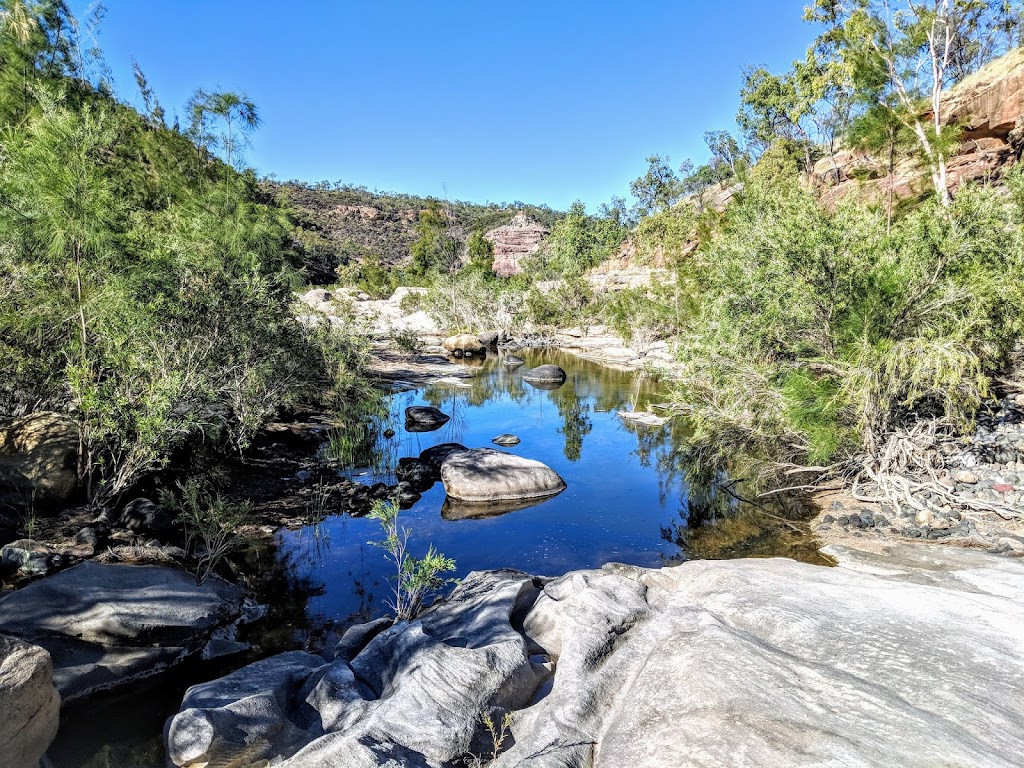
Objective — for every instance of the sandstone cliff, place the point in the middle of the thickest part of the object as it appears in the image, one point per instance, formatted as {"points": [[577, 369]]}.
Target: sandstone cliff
{"points": [[514, 241]]}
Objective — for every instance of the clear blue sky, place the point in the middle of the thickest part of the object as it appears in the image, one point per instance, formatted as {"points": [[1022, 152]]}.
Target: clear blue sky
{"points": [[544, 102]]}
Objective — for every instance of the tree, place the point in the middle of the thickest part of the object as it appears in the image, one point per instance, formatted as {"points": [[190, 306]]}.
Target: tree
{"points": [[774, 107], [480, 251], [901, 54], [657, 189], [725, 149], [238, 113]]}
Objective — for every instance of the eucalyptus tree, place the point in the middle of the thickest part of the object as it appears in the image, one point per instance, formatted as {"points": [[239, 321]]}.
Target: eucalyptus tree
{"points": [[903, 53], [657, 189]]}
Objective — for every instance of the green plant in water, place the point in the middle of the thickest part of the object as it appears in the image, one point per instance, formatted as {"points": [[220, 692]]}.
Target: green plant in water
{"points": [[210, 523], [417, 579]]}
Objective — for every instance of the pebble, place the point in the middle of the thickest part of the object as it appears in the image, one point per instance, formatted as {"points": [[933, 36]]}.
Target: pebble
{"points": [[965, 477], [923, 517], [1002, 487]]}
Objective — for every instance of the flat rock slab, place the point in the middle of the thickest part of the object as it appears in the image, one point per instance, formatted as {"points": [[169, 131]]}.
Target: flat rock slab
{"points": [[489, 475], [909, 657], [105, 625]]}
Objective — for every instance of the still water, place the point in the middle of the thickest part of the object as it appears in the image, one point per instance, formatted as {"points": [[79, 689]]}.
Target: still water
{"points": [[627, 500]]}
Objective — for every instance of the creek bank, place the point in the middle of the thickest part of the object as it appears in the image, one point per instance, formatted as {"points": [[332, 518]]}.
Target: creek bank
{"points": [[972, 496], [909, 657], [107, 625]]}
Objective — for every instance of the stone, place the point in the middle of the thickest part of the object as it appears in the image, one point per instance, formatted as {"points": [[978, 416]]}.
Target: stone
{"points": [[28, 557], [643, 418], [144, 517], [1002, 487], [436, 455], [424, 418], [413, 695], [463, 344], [406, 495], [545, 374], [966, 477], [506, 440], [38, 461], [389, 433], [489, 338], [29, 702], [94, 536], [512, 361], [910, 656], [487, 475], [107, 625], [358, 637], [923, 517], [417, 473]]}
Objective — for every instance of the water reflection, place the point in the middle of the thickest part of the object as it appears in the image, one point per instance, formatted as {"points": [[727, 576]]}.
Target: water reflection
{"points": [[629, 498]]}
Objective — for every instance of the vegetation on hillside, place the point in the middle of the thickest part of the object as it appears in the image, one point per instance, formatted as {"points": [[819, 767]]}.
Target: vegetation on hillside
{"points": [[145, 280]]}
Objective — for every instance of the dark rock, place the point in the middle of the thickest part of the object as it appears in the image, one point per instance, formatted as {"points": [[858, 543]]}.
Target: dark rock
{"points": [[95, 536], [489, 338], [144, 517], [827, 520], [545, 374], [379, 491], [388, 434], [424, 418], [417, 473], [512, 361], [29, 557], [437, 454], [881, 521], [406, 495]]}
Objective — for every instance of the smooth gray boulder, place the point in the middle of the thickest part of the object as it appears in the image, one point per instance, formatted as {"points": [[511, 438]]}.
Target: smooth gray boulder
{"points": [[483, 475], [106, 625], [911, 657], [29, 702], [415, 694], [545, 374]]}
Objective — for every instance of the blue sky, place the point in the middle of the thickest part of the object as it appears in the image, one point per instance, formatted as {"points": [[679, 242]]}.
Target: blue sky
{"points": [[544, 102]]}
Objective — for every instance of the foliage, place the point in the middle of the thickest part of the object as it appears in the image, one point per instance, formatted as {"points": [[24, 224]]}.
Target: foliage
{"points": [[417, 579], [817, 332], [579, 242], [147, 286], [210, 524]]}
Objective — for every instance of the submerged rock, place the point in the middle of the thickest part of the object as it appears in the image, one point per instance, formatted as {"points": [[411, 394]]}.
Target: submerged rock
{"points": [[29, 702], [487, 475], [507, 440], [106, 625], [512, 361], [911, 658]]}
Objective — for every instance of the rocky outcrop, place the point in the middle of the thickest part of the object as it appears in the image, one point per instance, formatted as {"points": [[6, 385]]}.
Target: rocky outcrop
{"points": [[106, 625], [483, 475], [514, 242], [914, 657], [38, 460], [29, 702], [464, 344], [989, 105]]}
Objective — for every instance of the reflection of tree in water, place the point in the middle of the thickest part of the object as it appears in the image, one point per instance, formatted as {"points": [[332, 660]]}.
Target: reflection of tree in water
{"points": [[576, 423], [715, 525]]}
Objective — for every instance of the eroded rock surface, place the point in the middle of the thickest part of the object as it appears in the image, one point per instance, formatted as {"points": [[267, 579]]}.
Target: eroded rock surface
{"points": [[514, 242], [105, 625], [29, 703], [912, 657]]}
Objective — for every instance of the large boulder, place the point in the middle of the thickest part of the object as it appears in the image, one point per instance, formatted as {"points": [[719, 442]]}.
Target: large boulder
{"points": [[29, 702], [38, 460], [488, 475], [107, 625], [464, 344], [416, 692], [424, 418], [912, 658]]}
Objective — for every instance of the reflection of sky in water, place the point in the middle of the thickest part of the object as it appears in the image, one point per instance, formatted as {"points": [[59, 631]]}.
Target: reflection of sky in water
{"points": [[615, 505]]}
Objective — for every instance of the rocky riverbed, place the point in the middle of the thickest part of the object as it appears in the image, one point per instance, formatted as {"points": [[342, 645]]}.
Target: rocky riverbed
{"points": [[911, 657]]}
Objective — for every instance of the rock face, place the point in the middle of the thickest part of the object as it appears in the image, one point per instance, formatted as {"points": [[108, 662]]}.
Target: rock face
{"points": [[482, 475], [29, 702], [910, 658], [38, 460], [513, 242], [105, 625], [988, 104]]}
